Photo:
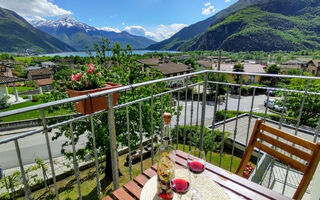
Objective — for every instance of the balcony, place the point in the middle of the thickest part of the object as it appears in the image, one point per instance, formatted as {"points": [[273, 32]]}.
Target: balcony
{"points": [[133, 127]]}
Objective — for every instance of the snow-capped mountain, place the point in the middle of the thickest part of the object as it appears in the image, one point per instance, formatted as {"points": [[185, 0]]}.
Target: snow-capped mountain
{"points": [[79, 35], [66, 22]]}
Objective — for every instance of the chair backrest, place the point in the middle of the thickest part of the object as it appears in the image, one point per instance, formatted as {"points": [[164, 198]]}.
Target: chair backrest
{"points": [[274, 145]]}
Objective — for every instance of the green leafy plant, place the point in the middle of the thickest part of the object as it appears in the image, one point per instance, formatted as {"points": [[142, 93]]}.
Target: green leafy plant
{"points": [[4, 102]]}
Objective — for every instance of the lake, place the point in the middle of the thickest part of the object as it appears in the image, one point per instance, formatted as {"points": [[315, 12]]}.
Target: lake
{"points": [[84, 54]]}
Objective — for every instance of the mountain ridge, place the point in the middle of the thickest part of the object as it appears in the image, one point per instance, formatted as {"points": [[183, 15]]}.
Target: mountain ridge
{"points": [[268, 25], [175, 41], [26, 38], [79, 35]]}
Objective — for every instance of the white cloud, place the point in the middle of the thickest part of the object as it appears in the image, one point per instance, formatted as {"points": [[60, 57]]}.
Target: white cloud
{"points": [[32, 9], [159, 33], [208, 9], [109, 29], [227, 1]]}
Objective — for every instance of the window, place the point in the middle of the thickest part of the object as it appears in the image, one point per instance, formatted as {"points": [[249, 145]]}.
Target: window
{"points": [[313, 71], [251, 78]]}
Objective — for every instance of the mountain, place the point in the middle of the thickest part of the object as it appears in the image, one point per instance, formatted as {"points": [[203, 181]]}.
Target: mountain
{"points": [[174, 42], [17, 35], [269, 25], [79, 35]]}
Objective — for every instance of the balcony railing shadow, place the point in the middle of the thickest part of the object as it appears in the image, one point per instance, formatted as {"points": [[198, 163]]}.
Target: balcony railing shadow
{"points": [[202, 119]]}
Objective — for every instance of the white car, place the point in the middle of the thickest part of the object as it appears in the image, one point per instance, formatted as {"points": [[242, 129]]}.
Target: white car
{"points": [[272, 105]]}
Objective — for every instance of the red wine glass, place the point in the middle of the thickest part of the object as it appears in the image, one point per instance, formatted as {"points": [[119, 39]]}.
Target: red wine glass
{"points": [[196, 165], [180, 186]]}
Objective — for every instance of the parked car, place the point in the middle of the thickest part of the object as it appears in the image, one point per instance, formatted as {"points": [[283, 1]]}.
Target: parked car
{"points": [[272, 105]]}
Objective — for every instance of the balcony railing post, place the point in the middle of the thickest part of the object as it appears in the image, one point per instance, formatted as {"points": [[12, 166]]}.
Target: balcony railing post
{"points": [[214, 115], [75, 162], [185, 116], [178, 119], [45, 130], [129, 142], [113, 143], [141, 137], [95, 153], [224, 126], [236, 124], [152, 129], [203, 112], [26, 187]]}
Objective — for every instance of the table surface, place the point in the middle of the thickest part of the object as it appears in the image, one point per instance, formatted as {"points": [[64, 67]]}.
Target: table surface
{"points": [[240, 188]]}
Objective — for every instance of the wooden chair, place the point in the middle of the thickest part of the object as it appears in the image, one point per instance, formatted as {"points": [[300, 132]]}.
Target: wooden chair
{"points": [[307, 168]]}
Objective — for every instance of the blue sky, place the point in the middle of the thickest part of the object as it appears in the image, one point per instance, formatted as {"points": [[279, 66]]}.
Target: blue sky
{"points": [[154, 18]]}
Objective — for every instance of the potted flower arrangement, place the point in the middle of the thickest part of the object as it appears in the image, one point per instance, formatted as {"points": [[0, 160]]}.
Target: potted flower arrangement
{"points": [[87, 81], [248, 170]]}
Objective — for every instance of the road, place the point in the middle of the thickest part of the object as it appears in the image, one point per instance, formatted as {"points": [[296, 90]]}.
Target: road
{"points": [[35, 146], [245, 105], [32, 147]]}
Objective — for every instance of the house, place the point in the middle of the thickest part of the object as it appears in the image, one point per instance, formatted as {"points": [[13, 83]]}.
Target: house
{"points": [[291, 64], [248, 68], [48, 64], [167, 68], [45, 84], [42, 73], [5, 70], [313, 67], [42, 77], [206, 64]]}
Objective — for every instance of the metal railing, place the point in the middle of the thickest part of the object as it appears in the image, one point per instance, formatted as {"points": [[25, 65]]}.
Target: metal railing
{"points": [[198, 117]]}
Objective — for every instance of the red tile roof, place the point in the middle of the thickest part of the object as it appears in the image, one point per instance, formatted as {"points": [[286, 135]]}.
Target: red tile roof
{"points": [[42, 82]]}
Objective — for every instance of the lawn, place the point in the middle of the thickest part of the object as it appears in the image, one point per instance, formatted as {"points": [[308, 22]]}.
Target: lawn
{"points": [[20, 89], [68, 188], [36, 114]]}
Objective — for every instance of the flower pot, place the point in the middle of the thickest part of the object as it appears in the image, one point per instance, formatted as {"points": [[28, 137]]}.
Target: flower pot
{"points": [[246, 175], [98, 103]]}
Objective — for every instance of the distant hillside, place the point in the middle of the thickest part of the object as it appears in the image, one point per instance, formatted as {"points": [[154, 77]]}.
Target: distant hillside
{"points": [[269, 25], [79, 35], [174, 42], [17, 35]]}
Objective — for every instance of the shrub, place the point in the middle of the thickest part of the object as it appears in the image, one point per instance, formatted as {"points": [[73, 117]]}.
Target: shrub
{"points": [[210, 141], [36, 98], [4, 102]]}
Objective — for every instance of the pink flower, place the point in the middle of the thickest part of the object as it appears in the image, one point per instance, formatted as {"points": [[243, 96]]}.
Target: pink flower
{"points": [[99, 73], [87, 84], [91, 69], [76, 77]]}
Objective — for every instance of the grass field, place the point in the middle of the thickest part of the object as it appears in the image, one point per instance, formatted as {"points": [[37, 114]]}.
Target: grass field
{"points": [[68, 188], [36, 114], [20, 89]]}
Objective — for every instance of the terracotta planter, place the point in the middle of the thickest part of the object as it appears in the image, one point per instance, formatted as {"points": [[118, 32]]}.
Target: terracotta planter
{"points": [[98, 103]]}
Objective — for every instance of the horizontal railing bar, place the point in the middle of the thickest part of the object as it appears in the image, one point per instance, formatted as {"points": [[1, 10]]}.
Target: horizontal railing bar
{"points": [[128, 87], [66, 122], [157, 95], [264, 75], [265, 88], [93, 95], [21, 135]]}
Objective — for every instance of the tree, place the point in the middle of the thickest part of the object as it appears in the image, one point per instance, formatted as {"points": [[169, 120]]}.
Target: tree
{"points": [[238, 68], [124, 70], [273, 69], [192, 63], [311, 108]]}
